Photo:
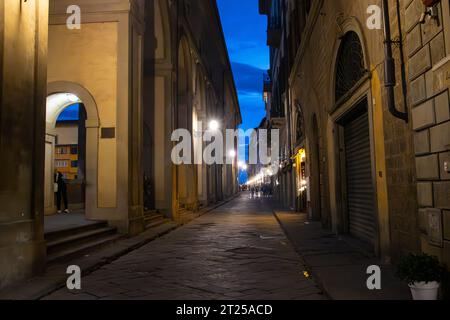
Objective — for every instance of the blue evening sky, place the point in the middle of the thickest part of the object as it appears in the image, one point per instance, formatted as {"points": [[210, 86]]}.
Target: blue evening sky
{"points": [[70, 113], [245, 34]]}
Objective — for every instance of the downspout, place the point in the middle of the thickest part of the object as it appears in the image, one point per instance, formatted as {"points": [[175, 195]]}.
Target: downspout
{"points": [[390, 79]]}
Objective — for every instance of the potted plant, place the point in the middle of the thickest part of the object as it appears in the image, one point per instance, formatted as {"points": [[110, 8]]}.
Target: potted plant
{"points": [[423, 273]]}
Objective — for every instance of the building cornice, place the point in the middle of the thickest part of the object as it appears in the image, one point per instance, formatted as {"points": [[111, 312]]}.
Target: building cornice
{"points": [[229, 79]]}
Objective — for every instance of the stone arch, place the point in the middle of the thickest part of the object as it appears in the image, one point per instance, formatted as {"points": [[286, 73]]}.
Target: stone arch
{"points": [[162, 30], [184, 84], [92, 125], [79, 91], [187, 184], [350, 66], [349, 26], [200, 91], [348, 100]]}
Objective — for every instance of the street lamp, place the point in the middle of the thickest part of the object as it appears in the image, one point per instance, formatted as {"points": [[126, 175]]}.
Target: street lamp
{"points": [[213, 125], [232, 154], [243, 166]]}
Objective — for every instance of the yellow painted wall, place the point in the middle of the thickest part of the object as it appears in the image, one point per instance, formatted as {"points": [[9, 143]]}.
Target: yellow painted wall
{"points": [[380, 163], [78, 56]]}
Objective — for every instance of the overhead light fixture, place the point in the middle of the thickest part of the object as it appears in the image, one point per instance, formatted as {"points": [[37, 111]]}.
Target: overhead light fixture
{"points": [[72, 98], [213, 125]]}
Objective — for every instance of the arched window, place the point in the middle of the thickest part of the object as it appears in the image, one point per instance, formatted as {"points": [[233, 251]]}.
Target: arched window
{"points": [[350, 66]]}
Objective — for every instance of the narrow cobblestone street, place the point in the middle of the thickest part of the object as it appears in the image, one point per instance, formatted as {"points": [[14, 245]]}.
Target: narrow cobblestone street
{"points": [[238, 251]]}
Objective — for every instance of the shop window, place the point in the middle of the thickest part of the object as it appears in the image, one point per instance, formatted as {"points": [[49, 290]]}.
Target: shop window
{"points": [[61, 164]]}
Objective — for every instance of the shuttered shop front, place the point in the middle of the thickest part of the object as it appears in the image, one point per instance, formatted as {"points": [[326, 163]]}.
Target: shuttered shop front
{"points": [[360, 190]]}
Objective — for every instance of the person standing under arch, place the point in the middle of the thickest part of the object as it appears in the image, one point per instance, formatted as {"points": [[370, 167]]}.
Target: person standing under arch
{"points": [[61, 192]]}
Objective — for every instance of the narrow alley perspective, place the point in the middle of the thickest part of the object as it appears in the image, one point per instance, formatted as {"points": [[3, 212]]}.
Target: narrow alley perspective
{"points": [[238, 251], [195, 151]]}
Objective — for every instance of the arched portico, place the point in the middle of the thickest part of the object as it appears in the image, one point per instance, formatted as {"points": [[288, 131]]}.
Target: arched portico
{"points": [[60, 96], [184, 120], [200, 116]]}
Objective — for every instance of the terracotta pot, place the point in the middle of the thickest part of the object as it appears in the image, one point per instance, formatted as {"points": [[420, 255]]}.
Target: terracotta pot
{"points": [[430, 3]]}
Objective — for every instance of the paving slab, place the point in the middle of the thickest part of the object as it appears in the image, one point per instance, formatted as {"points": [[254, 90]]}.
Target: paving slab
{"points": [[237, 251], [339, 266]]}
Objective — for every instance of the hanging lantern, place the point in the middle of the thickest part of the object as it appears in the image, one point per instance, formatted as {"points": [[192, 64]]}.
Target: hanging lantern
{"points": [[430, 3]]}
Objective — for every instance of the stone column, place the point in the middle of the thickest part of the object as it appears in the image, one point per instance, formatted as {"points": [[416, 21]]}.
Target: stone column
{"points": [[23, 54]]}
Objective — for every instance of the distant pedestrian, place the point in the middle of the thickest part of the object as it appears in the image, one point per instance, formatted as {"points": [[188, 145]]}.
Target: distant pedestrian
{"points": [[61, 192]]}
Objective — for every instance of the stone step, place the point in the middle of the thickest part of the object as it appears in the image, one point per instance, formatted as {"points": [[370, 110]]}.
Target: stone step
{"points": [[150, 212], [82, 249], [78, 238], [58, 234], [156, 223], [153, 217]]}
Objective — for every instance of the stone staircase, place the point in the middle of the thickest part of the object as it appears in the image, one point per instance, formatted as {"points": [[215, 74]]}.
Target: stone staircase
{"points": [[153, 218], [77, 241]]}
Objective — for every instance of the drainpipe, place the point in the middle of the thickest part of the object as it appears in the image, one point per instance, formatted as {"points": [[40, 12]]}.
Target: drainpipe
{"points": [[390, 80]]}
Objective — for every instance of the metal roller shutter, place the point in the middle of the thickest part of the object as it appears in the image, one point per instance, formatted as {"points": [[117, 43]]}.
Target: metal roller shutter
{"points": [[360, 192]]}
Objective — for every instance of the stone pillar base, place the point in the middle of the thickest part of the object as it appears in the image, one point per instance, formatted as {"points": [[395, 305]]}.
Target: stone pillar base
{"points": [[20, 259]]}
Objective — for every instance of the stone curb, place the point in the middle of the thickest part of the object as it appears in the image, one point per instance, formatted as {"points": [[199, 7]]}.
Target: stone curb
{"points": [[332, 275], [315, 276]]}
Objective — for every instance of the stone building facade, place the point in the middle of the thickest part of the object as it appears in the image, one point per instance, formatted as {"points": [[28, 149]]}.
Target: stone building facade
{"points": [[363, 171], [428, 52], [191, 71], [141, 69]]}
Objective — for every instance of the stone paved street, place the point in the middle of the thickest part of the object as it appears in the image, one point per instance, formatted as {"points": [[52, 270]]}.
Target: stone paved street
{"points": [[236, 252]]}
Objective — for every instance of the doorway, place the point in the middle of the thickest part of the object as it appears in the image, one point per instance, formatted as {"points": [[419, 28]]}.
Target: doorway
{"points": [[359, 186], [65, 153]]}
